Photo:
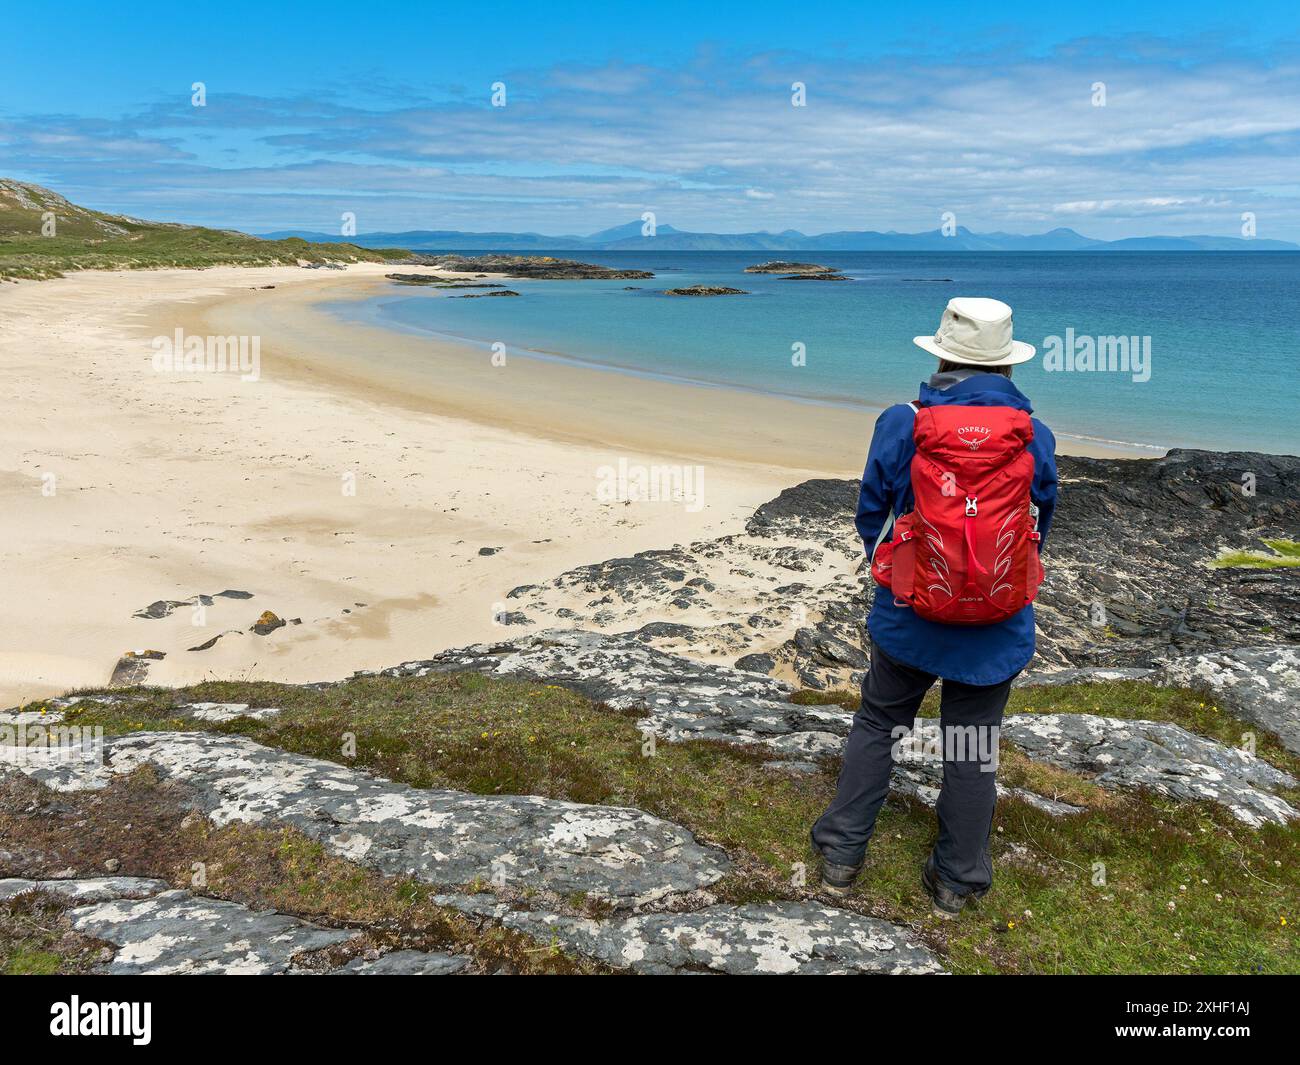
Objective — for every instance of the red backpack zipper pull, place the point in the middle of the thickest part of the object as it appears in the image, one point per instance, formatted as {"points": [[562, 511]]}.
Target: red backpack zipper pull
{"points": [[972, 560]]}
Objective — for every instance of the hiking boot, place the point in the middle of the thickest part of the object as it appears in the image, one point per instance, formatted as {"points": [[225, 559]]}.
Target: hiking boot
{"points": [[838, 880], [944, 902]]}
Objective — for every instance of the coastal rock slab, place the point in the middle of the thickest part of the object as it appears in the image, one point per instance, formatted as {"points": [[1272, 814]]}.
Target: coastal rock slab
{"points": [[1083, 675], [59, 768], [449, 838], [684, 699], [93, 889], [1163, 757], [161, 931], [622, 856], [922, 779], [31, 717], [540, 267], [770, 938], [1161, 597], [164, 607], [687, 700], [1259, 684], [405, 963], [175, 932], [221, 712], [132, 668]]}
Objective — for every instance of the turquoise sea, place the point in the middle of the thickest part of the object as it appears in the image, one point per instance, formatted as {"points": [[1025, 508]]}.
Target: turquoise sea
{"points": [[1223, 331]]}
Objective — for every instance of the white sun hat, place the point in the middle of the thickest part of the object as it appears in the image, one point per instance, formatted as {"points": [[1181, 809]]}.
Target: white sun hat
{"points": [[976, 332]]}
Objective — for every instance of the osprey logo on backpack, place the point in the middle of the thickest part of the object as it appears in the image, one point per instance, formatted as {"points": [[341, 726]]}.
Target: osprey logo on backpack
{"points": [[967, 554], [973, 435]]}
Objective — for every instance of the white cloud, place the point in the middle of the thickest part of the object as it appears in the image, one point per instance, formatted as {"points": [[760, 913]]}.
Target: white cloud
{"points": [[1007, 143]]}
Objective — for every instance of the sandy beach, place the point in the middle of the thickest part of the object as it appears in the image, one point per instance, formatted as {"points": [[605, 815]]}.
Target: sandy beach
{"points": [[380, 492]]}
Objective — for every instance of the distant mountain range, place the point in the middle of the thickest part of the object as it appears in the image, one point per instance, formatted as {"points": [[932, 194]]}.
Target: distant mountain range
{"points": [[628, 238]]}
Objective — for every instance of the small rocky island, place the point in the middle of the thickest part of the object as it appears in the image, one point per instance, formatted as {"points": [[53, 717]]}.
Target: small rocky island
{"points": [[439, 281], [538, 267], [782, 266], [798, 271], [705, 290]]}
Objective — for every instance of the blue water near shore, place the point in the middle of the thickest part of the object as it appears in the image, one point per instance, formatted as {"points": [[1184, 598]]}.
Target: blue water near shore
{"points": [[1224, 331]]}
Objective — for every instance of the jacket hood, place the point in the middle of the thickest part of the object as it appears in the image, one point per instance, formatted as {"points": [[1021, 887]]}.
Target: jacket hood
{"points": [[978, 390]]}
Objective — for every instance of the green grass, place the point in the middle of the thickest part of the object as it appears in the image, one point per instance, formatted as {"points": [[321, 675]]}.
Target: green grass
{"points": [[1233, 887], [1281, 554], [35, 942], [28, 961], [38, 258]]}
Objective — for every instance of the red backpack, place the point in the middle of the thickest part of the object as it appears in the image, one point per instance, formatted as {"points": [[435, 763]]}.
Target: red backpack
{"points": [[967, 554]]}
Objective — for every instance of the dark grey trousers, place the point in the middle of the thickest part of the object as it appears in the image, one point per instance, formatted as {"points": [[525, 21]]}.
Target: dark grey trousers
{"points": [[891, 694]]}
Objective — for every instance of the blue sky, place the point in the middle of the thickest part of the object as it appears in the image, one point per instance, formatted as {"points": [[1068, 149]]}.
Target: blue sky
{"points": [[384, 110]]}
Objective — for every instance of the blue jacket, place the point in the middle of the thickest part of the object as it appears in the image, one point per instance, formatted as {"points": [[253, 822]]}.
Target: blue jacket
{"points": [[975, 654]]}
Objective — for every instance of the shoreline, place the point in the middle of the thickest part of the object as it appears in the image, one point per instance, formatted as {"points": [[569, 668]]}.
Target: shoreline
{"points": [[559, 397], [126, 487], [381, 526], [1076, 443]]}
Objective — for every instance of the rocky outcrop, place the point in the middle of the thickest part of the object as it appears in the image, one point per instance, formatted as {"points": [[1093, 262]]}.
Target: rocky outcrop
{"points": [[705, 290], [447, 838], [1055, 678], [132, 668], [267, 623], [1131, 575], [784, 938], [219, 713], [685, 700], [209, 713], [93, 889], [539, 267], [1258, 684], [164, 607], [158, 931], [1159, 756], [175, 932], [404, 963], [781, 266], [439, 281], [528, 848], [1130, 559]]}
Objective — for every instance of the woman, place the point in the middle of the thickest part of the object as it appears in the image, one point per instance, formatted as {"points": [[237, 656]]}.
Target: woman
{"points": [[957, 579]]}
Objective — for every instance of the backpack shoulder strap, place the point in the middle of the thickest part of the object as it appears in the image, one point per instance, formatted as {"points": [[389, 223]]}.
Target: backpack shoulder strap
{"points": [[887, 529]]}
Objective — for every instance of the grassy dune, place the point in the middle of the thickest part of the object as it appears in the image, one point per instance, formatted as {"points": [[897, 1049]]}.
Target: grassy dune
{"points": [[83, 239]]}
